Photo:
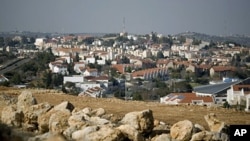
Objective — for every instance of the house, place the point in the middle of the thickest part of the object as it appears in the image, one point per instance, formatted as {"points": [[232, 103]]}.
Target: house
{"points": [[59, 67], [187, 98], [221, 71], [164, 63], [149, 74], [73, 79], [79, 67], [239, 93], [92, 92], [90, 72], [217, 91]]}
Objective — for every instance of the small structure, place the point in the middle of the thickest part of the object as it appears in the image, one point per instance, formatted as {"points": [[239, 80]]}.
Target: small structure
{"points": [[187, 98]]}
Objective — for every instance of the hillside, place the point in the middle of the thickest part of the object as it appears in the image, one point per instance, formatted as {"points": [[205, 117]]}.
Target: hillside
{"points": [[165, 113]]}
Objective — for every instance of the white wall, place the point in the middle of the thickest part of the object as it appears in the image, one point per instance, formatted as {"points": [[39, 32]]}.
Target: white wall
{"points": [[74, 79]]}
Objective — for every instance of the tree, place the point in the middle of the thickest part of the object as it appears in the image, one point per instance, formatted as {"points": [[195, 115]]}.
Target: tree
{"points": [[182, 39], [1, 41], [154, 37], [16, 79], [32, 40], [160, 55], [137, 96], [47, 79], [24, 40]]}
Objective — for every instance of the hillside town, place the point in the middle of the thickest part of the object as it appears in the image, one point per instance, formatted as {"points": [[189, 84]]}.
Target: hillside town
{"points": [[153, 67]]}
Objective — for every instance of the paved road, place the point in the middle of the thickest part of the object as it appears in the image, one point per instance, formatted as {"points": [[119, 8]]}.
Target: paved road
{"points": [[14, 66]]}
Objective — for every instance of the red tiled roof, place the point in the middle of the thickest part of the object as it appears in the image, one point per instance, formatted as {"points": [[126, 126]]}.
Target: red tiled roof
{"points": [[223, 68], [188, 97]]}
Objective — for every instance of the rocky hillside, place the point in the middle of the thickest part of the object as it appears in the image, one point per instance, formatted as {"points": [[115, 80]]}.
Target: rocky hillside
{"points": [[42, 114]]}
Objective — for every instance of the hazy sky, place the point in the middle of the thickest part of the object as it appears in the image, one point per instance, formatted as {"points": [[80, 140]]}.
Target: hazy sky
{"points": [[214, 17]]}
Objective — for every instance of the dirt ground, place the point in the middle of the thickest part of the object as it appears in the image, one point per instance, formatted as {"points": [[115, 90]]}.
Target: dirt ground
{"points": [[162, 112]]}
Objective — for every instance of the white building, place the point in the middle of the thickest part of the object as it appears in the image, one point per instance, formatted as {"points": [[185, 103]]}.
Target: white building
{"points": [[73, 79], [90, 72], [58, 67], [39, 43]]}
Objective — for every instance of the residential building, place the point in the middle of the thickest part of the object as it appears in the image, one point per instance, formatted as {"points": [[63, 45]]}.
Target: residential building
{"points": [[217, 91], [59, 67], [149, 74], [73, 79], [187, 98], [239, 93], [90, 72]]}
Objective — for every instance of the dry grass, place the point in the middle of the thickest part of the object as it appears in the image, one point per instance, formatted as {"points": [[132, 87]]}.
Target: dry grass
{"points": [[165, 113]]}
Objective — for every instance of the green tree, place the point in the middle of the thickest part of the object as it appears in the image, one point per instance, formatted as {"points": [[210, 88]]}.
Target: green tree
{"points": [[137, 96], [16, 79], [47, 79], [1, 41], [160, 55]]}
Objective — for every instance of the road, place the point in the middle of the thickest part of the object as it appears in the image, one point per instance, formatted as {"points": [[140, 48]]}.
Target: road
{"points": [[14, 65]]}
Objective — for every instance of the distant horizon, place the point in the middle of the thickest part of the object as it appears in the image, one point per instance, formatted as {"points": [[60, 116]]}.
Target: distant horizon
{"points": [[167, 17], [20, 31]]}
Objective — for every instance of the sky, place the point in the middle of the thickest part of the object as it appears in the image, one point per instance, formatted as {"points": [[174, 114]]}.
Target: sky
{"points": [[213, 17]]}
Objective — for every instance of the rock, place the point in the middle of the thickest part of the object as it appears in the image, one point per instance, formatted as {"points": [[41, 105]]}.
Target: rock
{"points": [[43, 119], [87, 111], [142, 121], [77, 120], [213, 123], [130, 132], [64, 106], [11, 116], [98, 121], [58, 122], [162, 137], [32, 113], [47, 137], [98, 112], [98, 133], [24, 100], [68, 132], [80, 134], [182, 130], [210, 136], [198, 128]]}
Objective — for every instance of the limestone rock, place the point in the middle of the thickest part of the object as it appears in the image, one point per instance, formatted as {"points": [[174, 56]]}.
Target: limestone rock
{"points": [[98, 112], [11, 116], [77, 120], [162, 137], [130, 132], [64, 106], [210, 136], [182, 130], [98, 133], [32, 113], [214, 124], [24, 100], [58, 122], [98, 121], [142, 121]]}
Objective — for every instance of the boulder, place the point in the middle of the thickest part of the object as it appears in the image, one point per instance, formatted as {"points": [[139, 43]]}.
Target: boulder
{"points": [[64, 106], [162, 137], [11, 116], [67, 133], [209, 136], [98, 133], [77, 120], [182, 130], [24, 100], [32, 113], [130, 132], [43, 119], [98, 121], [142, 121], [47, 137], [98, 112], [58, 122], [214, 124]]}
